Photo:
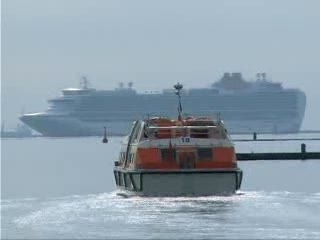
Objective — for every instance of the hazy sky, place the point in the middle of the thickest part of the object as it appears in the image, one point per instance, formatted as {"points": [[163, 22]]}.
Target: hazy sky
{"points": [[48, 44]]}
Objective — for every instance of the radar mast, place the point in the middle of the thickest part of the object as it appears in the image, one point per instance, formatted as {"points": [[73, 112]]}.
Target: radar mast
{"points": [[84, 82], [178, 88]]}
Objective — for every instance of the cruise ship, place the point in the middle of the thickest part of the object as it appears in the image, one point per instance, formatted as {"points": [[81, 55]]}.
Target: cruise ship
{"points": [[260, 106]]}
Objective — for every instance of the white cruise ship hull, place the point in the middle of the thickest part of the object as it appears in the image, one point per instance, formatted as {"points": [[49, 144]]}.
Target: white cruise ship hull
{"points": [[87, 113], [64, 126]]}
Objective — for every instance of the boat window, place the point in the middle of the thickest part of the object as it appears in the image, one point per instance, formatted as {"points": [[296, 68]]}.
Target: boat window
{"points": [[199, 133], [215, 133], [133, 128], [122, 156], [205, 154], [181, 132], [116, 176], [121, 180], [132, 156], [135, 133], [168, 154], [163, 133], [145, 133]]}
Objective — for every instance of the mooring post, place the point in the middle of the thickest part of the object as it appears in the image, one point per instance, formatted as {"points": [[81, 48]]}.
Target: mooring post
{"points": [[303, 151], [254, 136], [303, 148]]}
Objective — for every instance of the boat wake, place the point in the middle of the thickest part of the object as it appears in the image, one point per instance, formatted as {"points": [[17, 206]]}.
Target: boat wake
{"points": [[108, 215]]}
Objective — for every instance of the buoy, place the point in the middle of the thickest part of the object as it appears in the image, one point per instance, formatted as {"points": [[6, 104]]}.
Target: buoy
{"points": [[105, 139]]}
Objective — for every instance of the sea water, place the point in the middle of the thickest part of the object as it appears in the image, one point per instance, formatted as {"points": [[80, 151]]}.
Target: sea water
{"points": [[63, 188]]}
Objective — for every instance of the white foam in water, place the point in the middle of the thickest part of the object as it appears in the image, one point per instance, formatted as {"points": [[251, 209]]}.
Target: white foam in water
{"points": [[244, 215]]}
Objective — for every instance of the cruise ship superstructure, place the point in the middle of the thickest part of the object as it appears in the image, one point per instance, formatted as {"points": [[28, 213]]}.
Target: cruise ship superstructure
{"points": [[258, 106]]}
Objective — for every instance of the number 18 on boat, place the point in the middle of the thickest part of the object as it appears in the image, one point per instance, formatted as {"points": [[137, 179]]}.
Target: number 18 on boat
{"points": [[191, 156]]}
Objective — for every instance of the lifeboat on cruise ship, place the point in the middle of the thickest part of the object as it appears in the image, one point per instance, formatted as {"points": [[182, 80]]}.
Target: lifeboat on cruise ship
{"points": [[178, 157]]}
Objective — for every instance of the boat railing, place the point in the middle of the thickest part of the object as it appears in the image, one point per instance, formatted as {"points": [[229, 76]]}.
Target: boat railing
{"points": [[162, 132], [183, 127]]}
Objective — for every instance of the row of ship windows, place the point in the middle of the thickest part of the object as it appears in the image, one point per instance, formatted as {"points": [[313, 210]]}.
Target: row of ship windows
{"points": [[105, 112], [226, 117], [231, 106], [232, 113], [142, 99], [264, 102], [125, 98], [168, 155]]}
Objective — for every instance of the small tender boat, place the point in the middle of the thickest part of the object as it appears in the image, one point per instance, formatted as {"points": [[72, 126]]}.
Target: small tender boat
{"points": [[178, 157]]}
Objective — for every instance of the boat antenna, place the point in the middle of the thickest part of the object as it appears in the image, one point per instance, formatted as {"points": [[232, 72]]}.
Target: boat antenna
{"points": [[219, 117], [178, 88], [84, 82]]}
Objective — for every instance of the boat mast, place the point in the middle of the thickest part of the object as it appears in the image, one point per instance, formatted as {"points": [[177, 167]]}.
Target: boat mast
{"points": [[178, 88], [84, 82]]}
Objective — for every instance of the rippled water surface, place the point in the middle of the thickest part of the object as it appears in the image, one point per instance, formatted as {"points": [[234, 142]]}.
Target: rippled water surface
{"points": [[63, 188]]}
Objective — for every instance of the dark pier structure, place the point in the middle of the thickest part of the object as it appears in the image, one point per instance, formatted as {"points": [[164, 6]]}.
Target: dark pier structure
{"points": [[278, 156], [256, 139], [303, 155]]}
